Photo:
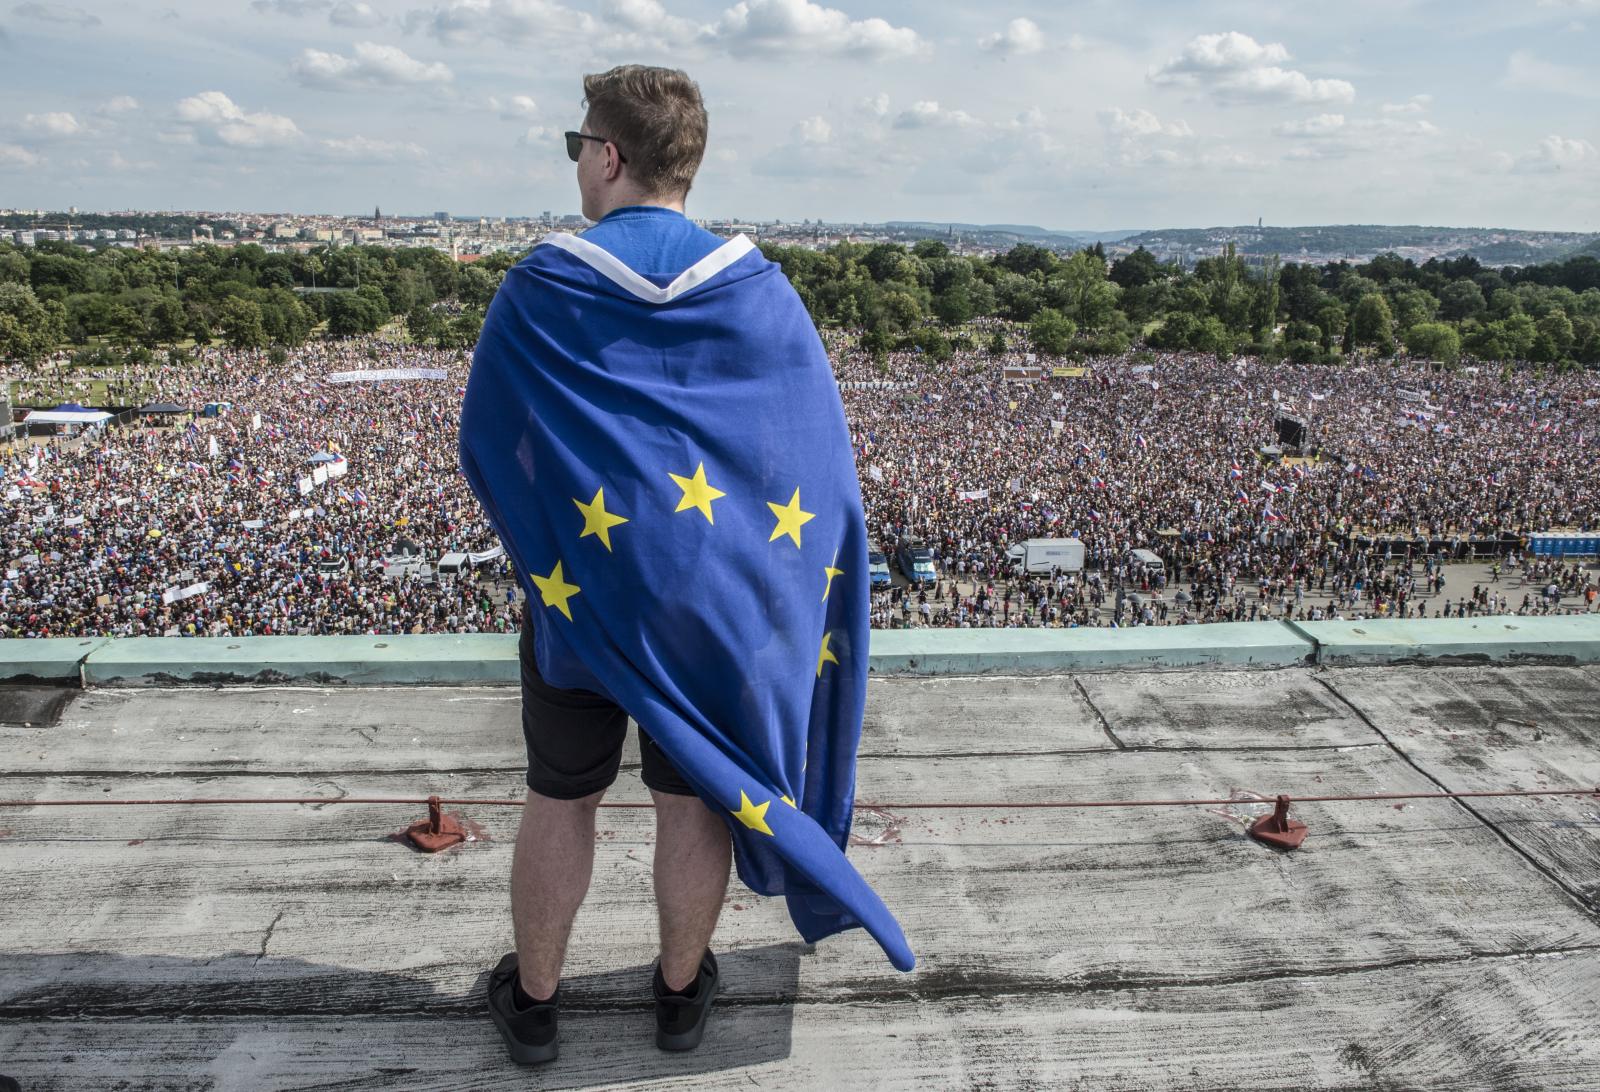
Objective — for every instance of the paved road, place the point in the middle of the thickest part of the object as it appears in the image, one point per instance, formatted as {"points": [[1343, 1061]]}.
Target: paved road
{"points": [[1460, 579]]}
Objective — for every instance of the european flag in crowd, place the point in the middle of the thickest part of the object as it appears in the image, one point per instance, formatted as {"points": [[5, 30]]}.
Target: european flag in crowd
{"points": [[669, 469]]}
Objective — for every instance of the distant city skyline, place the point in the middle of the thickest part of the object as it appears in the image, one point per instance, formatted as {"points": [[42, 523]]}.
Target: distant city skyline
{"points": [[1093, 116]]}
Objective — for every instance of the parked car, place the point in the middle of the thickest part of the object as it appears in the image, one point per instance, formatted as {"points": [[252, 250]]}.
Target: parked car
{"points": [[916, 562], [878, 569]]}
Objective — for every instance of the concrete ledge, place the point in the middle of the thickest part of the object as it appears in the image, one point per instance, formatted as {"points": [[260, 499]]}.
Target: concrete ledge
{"points": [[1020, 651], [45, 659], [1574, 639], [491, 658], [404, 659]]}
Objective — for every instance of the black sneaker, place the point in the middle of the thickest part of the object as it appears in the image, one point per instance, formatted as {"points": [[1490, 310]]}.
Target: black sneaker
{"points": [[681, 1019], [530, 1033]]}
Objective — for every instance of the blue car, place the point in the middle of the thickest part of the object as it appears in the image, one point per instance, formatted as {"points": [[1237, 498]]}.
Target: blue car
{"points": [[916, 562], [878, 570]]}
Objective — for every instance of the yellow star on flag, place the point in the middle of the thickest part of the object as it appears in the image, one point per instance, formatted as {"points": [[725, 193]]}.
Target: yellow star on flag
{"points": [[596, 520], [753, 815], [790, 519], [826, 656], [787, 800], [555, 591], [697, 493], [830, 572]]}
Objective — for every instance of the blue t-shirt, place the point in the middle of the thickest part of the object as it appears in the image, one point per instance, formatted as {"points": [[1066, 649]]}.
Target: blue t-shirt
{"points": [[654, 242]]}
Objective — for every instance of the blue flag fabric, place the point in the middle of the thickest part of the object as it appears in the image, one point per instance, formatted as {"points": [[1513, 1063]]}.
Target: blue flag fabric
{"points": [[670, 471]]}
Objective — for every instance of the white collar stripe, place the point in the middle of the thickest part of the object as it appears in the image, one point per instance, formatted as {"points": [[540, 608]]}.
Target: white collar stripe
{"points": [[609, 266]]}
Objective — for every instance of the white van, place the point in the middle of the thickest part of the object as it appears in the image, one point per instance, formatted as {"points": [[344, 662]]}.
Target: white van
{"points": [[453, 564], [1149, 561]]}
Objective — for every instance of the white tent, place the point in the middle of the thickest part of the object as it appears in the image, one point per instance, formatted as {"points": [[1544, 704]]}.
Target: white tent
{"points": [[66, 417]]}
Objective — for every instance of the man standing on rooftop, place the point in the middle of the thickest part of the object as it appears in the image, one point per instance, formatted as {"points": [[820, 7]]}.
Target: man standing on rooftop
{"points": [[653, 429]]}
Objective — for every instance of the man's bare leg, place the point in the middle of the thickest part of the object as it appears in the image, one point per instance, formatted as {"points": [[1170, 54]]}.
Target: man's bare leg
{"points": [[693, 852], [549, 877]]}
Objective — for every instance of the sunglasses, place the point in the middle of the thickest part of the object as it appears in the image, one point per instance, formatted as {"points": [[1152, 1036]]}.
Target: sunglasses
{"points": [[575, 145]]}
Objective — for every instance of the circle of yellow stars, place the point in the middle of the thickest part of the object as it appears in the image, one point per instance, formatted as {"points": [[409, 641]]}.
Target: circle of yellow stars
{"points": [[698, 495]]}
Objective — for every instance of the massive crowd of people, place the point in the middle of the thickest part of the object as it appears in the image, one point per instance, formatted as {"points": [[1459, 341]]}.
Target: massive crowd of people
{"points": [[200, 526]]}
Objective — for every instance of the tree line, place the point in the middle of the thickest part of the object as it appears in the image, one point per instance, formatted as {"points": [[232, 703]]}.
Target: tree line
{"points": [[57, 295], [1083, 304]]}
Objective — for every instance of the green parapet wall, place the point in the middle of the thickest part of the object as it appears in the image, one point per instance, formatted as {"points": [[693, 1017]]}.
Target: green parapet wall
{"points": [[398, 660], [491, 659], [52, 660], [1023, 651], [1569, 639]]}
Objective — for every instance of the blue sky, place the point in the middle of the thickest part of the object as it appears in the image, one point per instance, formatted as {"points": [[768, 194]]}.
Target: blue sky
{"points": [[1076, 114]]}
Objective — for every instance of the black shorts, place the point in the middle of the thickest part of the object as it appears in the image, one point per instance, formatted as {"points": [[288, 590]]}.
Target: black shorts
{"points": [[575, 738]]}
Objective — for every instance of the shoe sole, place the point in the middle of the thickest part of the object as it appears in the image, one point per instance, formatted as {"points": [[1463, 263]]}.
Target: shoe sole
{"points": [[524, 1053], [688, 1040]]}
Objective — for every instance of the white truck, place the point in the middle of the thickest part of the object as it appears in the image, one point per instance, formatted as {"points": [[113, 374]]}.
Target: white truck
{"points": [[1041, 555]]}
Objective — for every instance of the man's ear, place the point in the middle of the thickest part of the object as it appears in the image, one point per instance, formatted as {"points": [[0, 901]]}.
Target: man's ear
{"points": [[613, 162]]}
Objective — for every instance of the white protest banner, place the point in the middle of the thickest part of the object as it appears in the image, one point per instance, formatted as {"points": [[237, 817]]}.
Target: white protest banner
{"points": [[211, 447], [305, 485], [486, 555], [177, 595], [338, 468], [1057, 426], [385, 375], [255, 421], [120, 501], [876, 472], [973, 494], [254, 524], [72, 521], [320, 475]]}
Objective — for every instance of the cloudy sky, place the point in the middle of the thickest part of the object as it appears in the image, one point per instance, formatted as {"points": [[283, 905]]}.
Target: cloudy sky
{"points": [[1075, 114]]}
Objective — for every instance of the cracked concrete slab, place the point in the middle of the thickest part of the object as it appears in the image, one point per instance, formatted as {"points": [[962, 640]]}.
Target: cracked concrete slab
{"points": [[1426, 943]]}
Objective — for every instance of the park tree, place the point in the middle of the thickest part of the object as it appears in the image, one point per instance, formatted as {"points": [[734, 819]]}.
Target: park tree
{"points": [[1051, 332], [1412, 306], [1136, 270], [1372, 324], [240, 320], [1460, 300], [1080, 291], [1434, 341], [1555, 331], [29, 328]]}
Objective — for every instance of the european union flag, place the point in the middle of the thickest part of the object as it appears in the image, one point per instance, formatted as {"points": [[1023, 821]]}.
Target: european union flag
{"points": [[670, 471]]}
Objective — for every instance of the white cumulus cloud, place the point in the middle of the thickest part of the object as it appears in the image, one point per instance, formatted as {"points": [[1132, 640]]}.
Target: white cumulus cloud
{"points": [[215, 117], [514, 107], [1416, 104], [117, 104], [1020, 36], [1320, 126], [461, 21], [355, 13], [1234, 67], [928, 114], [813, 130], [789, 27], [370, 65], [372, 151], [1553, 153], [56, 13], [15, 155], [55, 124], [1141, 123]]}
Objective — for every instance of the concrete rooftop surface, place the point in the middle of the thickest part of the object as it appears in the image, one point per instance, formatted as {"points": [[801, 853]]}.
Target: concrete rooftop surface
{"points": [[1426, 944]]}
